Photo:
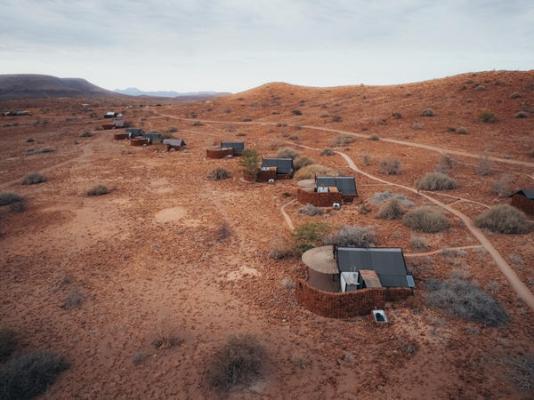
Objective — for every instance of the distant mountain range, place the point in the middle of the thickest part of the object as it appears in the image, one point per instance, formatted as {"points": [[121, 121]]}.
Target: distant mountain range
{"points": [[132, 91], [19, 86]]}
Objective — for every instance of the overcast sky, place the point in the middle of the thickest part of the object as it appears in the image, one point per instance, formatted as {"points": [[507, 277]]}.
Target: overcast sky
{"points": [[232, 45]]}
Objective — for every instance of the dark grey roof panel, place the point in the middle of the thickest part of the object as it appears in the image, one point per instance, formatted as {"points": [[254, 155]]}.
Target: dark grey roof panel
{"points": [[345, 184], [527, 192], [174, 142], [283, 165], [387, 262], [237, 146]]}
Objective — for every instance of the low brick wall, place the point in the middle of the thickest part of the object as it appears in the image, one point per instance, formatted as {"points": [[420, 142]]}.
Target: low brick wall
{"points": [[319, 199], [348, 304], [524, 204], [138, 142], [120, 136], [264, 176], [219, 152]]}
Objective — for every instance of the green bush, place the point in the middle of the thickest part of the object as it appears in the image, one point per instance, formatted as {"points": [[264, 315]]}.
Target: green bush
{"points": [[33, 179], [250, 160], [487, 117], [426, 219], [30, 375], [466, 300], [436, 181], [503, 218], [240, 361], [309, 235]]}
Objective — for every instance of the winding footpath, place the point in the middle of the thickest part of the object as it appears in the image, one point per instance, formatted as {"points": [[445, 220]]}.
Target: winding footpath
{"points": [[519, 287]]}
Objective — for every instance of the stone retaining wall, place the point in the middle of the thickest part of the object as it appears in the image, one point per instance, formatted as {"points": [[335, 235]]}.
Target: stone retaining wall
{"points": [[219, 152], [319, 199]]}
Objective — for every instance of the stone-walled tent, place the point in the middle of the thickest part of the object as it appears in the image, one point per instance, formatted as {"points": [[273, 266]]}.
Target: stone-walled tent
{"points": [[275, 168], [174, 144], [237, 147], [328, 190], [524, 200]]}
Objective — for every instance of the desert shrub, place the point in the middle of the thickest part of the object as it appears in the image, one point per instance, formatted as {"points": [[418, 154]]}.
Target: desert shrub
{"points": [[343, 140], [287, 283], [223, 232], [392, 209], [502, 187], [197, 123], [462, 131], [396, 115], [219, 174], [327, 152], [240, 361], [98, 190], [30, 375], [309, 235], [311, 210], [8, 343], [172, 129], [352, 236], [281, 249], [250, 160], [445, 164], [390, 166], [466, 300], [8, 198], [483, 167], [301, 162], [515, 95], [374, 138], [86, 134], [382, 197], [426, 219], [487, 117], [166, 341], [33, 179], [503, 218], [428, 112], [336, 118], [287, 152], [521, 114], [436, 181], [138, 357], [521, 371], [73, 300], [296, 112], [310, 171], [44, 150], [418, 243], [366, 159]]}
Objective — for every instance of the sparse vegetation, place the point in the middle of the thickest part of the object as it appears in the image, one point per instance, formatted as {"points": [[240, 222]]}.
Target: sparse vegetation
{"points": [[381, 197], [310, 171], [166, 342], [281, 249], [33, 179], [503, 218], [301, 162], [521, 114], [343, 140], [98, 190], [223, 232], [86, 134], [73, 300], [44, 150], [288, 283], [445, 164], [484, 167], [502, 187], [8, 343], [29, 375], [309, 235], [390, 166], [374, 138], [327, 152], [426, 219], [418, 243], [487, 117], [239, 362], [352, 236], [311, 210], [219, 174], [287, 152], [521, 371], [462, 131], [197, 123], [428, 112], [436, 181], [8, 198], [466, 300], [296, 112], [392, 209], [250, 160]]}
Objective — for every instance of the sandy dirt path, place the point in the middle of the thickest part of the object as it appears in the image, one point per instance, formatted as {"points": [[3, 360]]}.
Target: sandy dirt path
{"points": [[287, 218], [437, 149]]}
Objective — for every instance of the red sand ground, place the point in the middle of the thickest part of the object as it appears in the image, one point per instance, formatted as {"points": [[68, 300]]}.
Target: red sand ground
{"points": [[148, 260]]}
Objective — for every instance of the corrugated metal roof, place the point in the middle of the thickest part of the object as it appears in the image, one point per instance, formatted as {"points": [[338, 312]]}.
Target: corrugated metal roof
{"points": [[237, 146], [387, 262], [345, 184], [283, 165], [174, 142], [527, 192]]}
